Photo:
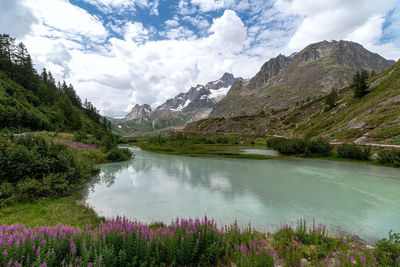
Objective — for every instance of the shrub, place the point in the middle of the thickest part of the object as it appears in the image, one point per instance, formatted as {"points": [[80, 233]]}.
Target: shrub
{"points": [[353, 151], [222, 140], [80, 136], [119, 154], [387, 251], [31, 167], [318, 146], [389, 156]]}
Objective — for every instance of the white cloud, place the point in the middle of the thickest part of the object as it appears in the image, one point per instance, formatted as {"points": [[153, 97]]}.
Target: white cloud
{"points": [[197, 21], [359, 21], [12, 11], [228, 31], [117, 6], [171, 23], [154, 8], [208, 5], [60, 15]]}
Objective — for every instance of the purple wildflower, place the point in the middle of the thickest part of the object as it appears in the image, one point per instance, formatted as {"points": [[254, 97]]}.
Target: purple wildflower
{"points": [[5, 253]]}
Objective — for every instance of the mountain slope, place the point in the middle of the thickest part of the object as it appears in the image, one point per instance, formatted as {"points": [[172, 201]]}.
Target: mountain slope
{"points": [[312, 72], [372, 118]]}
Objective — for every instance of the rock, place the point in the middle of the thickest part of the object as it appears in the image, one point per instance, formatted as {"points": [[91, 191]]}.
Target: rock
{"points": [[332, 262], [340, 108], [303, 262], [360, 140], [139, 113]]}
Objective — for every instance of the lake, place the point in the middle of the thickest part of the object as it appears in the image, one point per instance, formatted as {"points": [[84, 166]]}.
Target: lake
{"points": [[360, 199]]}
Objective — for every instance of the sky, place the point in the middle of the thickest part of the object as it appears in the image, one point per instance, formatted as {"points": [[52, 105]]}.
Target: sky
{"points": [[118, 53]]}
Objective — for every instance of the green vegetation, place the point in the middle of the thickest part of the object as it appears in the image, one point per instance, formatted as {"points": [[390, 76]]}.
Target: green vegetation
{"points": [[331, 99], [317, 248], [31, 102], [50, 212], [184, 144], [43, 164], [359, 83], [387, 250], [299, 146], [353, 151], [391, 156], [32, 167]]}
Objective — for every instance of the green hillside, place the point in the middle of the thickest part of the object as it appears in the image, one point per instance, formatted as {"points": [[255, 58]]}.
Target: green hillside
{"points": [[373, 118], [37, 164]]}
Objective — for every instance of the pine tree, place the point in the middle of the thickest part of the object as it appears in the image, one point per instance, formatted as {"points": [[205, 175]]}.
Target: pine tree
{"points": [[7, 49], [331, 99], [359, 83], [25, 73]]}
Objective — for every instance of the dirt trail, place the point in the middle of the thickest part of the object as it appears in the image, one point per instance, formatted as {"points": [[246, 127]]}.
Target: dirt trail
{"points": [[370, 144]]}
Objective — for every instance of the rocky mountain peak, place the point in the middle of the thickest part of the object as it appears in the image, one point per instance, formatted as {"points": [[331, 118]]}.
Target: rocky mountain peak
{"points": [[140, 113], [200, 96], [282, 81]]}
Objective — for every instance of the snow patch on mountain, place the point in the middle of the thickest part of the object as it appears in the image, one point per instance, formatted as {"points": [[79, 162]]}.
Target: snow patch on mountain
{"points": [[218, 94], [180, 107]]}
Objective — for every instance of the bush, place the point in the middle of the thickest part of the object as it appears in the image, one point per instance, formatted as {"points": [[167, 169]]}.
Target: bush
{"points": [[353, 151], [287, 146], [389, 156], [387, 251], [31, 167], [318, 146], [119, 154], [80, 136], [298, 146]]}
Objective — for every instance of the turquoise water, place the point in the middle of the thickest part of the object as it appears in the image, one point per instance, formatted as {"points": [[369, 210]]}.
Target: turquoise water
{"points": [[356, 198]]}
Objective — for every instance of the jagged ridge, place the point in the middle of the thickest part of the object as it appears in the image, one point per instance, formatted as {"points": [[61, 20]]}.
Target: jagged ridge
{"points": [[312, 72]]}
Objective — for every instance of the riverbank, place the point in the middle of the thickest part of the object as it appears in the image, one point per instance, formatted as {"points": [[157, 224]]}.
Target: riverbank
{"points": [[234, 147], [207, 151]]}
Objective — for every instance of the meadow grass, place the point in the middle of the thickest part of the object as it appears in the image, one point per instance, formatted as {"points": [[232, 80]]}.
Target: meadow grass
{"points": [[50, 212]]}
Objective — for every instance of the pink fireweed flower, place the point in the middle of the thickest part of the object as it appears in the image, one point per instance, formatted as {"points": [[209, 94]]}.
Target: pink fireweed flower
{"points": [[100, 259], [5, 253], [398, 259], [363, 259], [44, 264]]}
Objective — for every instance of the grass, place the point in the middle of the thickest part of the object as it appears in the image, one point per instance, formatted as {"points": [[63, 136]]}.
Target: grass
{"points": [[206, 150], [50, 212]]}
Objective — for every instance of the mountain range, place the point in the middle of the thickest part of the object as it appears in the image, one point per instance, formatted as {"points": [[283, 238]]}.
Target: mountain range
{"points": [[175, 113], [374, 118]]}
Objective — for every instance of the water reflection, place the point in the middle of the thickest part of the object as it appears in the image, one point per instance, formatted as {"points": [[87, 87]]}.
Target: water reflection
{"points": [[361, 199]]}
